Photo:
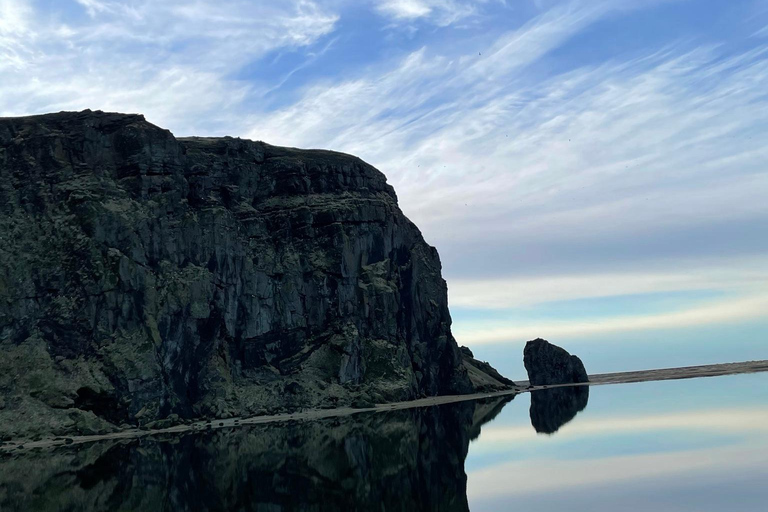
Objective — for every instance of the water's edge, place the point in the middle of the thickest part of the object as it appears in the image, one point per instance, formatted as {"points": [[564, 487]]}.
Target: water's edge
{"points": [[688, 372]]}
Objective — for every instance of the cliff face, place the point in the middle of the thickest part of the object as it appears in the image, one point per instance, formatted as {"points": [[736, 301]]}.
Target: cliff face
{"points": [[144, 275]]}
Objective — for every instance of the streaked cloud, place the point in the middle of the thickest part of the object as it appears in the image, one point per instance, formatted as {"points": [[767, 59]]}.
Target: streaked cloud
{"points": [[174, 61], [14, 28], [546, 154], [716, 312], [95, 7], [439, 12], [14, 16], [737, 275], [413, 101], [562, 474], [404, 8], [725, 421], [489, 162]]}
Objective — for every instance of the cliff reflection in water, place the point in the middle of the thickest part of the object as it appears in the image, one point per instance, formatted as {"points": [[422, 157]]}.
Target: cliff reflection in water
{"points": [[397, 461], [552, 408], [405, 460]]}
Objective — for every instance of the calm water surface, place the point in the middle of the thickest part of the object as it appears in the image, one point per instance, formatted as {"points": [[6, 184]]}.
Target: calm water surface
{"points": [[693, 445], [697, 445]]}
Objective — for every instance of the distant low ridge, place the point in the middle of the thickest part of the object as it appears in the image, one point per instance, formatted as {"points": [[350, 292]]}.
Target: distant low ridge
{"points": [[149, 279]]}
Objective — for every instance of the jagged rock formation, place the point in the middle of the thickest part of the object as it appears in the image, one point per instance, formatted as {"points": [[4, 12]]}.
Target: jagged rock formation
{"points": [[549, 364], [144, 276], [408, 460]]}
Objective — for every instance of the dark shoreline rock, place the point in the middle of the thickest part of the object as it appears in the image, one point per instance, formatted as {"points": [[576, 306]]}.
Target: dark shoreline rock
{"points": [[144, 275], [549, 364]]}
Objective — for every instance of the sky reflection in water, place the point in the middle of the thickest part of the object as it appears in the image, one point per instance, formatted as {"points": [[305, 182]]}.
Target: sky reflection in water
{"points": [[694, 445]]}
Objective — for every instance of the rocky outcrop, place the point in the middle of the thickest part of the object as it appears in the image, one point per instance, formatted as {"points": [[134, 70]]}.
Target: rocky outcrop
{"points": [[549, 364], [144, 276]]}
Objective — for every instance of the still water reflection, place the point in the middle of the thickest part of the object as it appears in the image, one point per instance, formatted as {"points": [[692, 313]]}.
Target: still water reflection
{"points": [[405, 460], [697, 445], [553, 408]]}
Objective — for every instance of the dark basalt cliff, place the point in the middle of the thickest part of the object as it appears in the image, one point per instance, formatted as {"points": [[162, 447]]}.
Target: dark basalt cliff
{"points": [[145, 276]]}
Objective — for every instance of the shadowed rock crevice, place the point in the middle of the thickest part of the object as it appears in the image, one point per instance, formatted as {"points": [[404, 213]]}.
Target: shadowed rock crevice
{"points": [[103, 404]]}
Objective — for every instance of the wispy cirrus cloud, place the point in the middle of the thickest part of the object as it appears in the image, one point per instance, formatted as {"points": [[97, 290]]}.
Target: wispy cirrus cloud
{"points": [[734, 275], [15, 20], [492, 160], [407, 9], [14, 16], [419, 94], [547, 155], [723, 311], [438, 12], [94, 7], [174, 61]]}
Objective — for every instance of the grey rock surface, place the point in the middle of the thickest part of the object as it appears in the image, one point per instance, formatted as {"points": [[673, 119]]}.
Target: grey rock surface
{"points": [[549, 364], [144, 275]]}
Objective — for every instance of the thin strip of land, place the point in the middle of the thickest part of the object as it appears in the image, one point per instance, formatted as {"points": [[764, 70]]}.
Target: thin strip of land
{"points": [[689, 372]]}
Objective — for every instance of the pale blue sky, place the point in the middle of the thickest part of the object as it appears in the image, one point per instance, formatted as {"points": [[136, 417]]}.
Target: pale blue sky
{"points": [[592, 172]]}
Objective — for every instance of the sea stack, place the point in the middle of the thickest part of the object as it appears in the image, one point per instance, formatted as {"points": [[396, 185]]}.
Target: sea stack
{"points": [[548, 364], [145, 276]]}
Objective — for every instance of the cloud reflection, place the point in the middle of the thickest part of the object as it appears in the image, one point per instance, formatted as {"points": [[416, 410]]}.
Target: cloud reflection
{"points": [[558, 474], [707, 459], [741, 421]]}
